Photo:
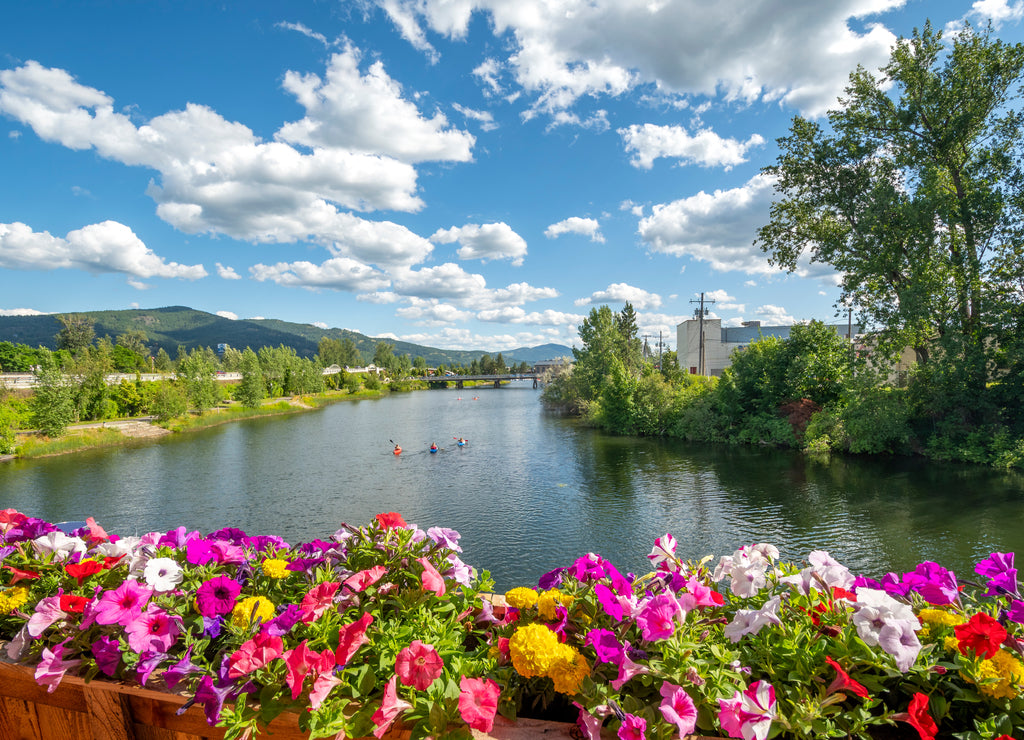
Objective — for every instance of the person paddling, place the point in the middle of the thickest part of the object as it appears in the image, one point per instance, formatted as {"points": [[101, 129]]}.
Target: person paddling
{"points": [[398, 450], [433, 447]]}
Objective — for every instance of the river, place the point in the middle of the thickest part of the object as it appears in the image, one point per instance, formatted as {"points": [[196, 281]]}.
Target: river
{"points": [[530, 491]]}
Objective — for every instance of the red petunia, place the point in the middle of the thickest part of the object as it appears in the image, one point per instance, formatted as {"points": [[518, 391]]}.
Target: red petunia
{"points": [[73, 604], [391, 520], [917, 717], [83, 570], [21, 575], [982, 634], [843, 682]]}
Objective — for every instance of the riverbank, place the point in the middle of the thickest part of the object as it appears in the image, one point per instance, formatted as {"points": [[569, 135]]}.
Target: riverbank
{"points": [[123, 432]]}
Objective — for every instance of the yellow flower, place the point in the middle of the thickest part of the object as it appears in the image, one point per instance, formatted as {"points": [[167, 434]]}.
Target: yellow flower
{"points": [[569, 670], [940, 618], [13, 598], [275, 568], [521, 598], [548, 601], [249, 610], [951, 643], [534, 649]]}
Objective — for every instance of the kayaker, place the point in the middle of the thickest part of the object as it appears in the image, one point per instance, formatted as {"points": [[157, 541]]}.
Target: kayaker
{"points": [[433, 447], [398, 450]]}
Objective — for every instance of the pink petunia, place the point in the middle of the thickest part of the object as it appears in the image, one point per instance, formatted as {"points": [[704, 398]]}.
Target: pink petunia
{"points": [[52, 667], [390, 708], [632, 728], [351, 637], [478, 702], [749, 714], [678, 708], [418, 665], [319, 599], [663, 556], [432, 580], [254, 654], [46, 613], [657, 618], [606, 645], [123, 604], [365, 578], [154, 630], [301, 661], [627, 669]]}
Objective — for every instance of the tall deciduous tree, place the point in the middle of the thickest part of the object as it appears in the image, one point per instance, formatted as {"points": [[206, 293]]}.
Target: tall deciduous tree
{"points": [[910, 195], [53, 401], [251, 391], [76, 332]]}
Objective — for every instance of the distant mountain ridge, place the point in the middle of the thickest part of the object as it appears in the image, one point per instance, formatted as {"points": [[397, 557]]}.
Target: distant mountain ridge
{"points": [[173, 326]]}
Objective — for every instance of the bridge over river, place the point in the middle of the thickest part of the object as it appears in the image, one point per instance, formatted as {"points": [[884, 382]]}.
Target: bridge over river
{"points": [[497, 379]]}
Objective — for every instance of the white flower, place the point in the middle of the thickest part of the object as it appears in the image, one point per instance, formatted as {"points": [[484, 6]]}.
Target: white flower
{"points": [[747, 568], [875, 609], [824, 571], [123, 546], [899, 639], [163, 574], [750, 621], [59, 545]]}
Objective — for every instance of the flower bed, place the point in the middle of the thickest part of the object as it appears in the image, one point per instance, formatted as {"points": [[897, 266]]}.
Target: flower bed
{"points": [[383, 629]]}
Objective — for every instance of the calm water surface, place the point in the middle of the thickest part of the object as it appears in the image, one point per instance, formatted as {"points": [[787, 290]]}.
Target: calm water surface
{"points": [[530, 492]]}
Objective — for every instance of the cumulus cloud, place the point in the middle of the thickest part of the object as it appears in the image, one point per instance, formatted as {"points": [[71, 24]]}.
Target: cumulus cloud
{"points": [[764, 50], [228, 273], [218, 177], [337, 273], [997, 11], [516, 315], [21, 312], [486, 242], [368, 113], [106, 247], [717, 228], [458, 338], [774, 315], [227, 315], [648, 142], [432, 312], [623, 292], [576, 225], [319, 324]]}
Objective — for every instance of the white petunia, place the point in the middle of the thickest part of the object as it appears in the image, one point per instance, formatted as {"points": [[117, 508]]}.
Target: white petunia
{"points": [[163, 574]]}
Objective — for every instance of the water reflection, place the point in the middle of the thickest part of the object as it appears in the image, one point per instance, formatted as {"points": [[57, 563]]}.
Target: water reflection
{"points": [[530, 492]]}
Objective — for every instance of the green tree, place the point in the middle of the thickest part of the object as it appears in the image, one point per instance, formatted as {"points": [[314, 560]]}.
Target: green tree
{"points": [[912, 195], [601, 340], [384, 355], [53, 402], [630, 346], [134, 340], [128, 397], [162, 362], [91, 368], [340, 352], [76, 332], [251, 390], [198, 374]]}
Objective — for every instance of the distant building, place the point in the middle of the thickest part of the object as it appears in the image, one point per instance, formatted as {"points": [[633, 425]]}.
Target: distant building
{"points": [[719, 341], [222, 348]]}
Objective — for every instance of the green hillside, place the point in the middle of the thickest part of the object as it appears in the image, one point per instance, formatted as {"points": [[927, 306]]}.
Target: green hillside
{"points": [[178, 326]]}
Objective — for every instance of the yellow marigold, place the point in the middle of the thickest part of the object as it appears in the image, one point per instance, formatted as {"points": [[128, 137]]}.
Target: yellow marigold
{"points": [[951, 643], [548, 601], [939, 618], [521, 598], [13, 598], [275, 568], [569, 670], [534, 649], [249, 610], [1009, 672]]}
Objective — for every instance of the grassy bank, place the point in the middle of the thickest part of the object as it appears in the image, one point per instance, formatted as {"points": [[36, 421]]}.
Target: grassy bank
{"points": [[75, 441]]}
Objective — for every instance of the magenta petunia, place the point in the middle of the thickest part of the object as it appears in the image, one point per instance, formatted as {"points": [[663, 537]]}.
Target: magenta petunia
{"points": [[678, 708], [123, 604], [217, 596], [154, 630], [657, 618], [606, 645], [632, 728]]}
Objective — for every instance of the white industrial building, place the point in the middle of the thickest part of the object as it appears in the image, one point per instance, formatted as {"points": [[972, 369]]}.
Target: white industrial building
{"points": [[720, 341]]}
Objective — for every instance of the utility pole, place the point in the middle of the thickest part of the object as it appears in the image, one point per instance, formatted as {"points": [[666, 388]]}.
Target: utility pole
{"points": [[661, 346], [699, 313]]}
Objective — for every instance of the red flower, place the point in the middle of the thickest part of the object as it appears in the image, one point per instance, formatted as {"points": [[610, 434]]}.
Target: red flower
{"points": [[917, 717], [73, 604], [351, 637], [843, 682], [391, 520], [478, 702], [366, 578], [21, 575], [83, 570], [982, 634]]}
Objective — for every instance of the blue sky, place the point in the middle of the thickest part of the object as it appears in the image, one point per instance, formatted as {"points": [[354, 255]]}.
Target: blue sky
{"points": [[470, 174]]}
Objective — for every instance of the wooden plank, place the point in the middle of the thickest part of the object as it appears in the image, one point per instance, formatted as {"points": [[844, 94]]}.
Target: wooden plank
{"points": [[109, 713], [57, 723], [19, 682], [18, 720]]}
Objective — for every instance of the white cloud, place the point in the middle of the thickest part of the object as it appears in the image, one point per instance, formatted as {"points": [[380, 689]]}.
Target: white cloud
{"points": [[516, 315], [561, 50], [432, 312], [227, 315], [576, 225], [367, 113], [486, 242], [228, 273], [622, 292], [456, 338], [444, 281], [485, 118], [379, 297], [320, 324], [717, 228], [774, 315], [337, 273], [705, 148], [997, 11], [107, 247], [305, 31], [21, 312]]}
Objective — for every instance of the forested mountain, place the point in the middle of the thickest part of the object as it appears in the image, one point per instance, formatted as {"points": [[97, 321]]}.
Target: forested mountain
{"points": [[178, 326]]}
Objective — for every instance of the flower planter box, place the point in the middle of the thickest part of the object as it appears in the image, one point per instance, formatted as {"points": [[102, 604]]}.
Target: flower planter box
{"points": [[104, 710]]}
